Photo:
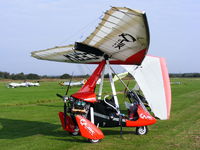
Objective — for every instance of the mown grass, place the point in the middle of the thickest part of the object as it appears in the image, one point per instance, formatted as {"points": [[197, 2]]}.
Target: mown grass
{"points": [[28, 120]]}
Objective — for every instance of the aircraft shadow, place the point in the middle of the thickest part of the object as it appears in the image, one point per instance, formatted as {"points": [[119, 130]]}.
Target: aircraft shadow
{"points": [[11, 129], [117, 132]]}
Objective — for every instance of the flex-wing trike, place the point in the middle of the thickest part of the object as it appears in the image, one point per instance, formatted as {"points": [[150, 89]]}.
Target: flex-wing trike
{"points": [[84, 113], [121, 38]]}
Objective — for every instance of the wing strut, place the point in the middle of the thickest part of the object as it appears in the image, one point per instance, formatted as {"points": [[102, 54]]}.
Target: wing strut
{"points": [[101, 84], [113, 87]]}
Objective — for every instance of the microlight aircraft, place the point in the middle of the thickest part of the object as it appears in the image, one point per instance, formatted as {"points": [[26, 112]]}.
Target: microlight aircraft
{"points": [[70, 83], [22, 84], [121, 38]]}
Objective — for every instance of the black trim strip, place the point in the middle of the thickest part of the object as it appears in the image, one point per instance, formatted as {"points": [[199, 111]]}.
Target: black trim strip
{"points": [[88, 49], [147, 29]]}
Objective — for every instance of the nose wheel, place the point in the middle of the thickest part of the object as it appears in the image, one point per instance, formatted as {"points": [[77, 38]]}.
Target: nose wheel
{"points": [[141, 130], [93, 141]]}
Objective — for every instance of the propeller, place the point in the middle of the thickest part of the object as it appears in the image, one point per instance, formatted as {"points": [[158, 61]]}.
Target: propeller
{"points": [[69, 84], [65, 98], [65, 105]]}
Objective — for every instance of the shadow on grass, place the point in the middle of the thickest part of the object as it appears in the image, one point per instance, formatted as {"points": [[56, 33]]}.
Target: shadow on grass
{"points": [[116, 132], [12, 129], [53, 106], [73, 139]]}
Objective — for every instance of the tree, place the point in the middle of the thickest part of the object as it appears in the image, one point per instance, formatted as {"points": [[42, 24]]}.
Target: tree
{"points": [[4, 75], [32, 76], [65, 76], [19, 76]]}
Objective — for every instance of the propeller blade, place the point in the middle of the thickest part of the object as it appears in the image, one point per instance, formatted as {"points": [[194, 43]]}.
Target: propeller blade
{"points": [[65, 111], [69, 84], [59, 95], [65, 107]]}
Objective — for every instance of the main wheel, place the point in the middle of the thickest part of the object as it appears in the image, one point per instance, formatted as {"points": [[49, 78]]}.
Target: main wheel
{"points": [[141, 130], [93, 141], [75, 133]]}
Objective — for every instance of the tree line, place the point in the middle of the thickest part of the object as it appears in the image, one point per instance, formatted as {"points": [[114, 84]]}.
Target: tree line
{"points": [[184, 75], [19, 76], [32, 76]]}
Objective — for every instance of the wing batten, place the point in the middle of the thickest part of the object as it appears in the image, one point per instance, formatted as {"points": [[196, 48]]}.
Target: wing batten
{"points": [[121, 34], [113, 31]]}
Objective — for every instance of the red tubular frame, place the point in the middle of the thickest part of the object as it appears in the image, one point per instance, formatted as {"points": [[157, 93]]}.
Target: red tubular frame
{"points": [[86, 93]]}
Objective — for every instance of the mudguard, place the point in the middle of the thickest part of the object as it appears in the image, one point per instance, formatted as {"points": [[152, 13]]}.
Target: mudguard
{"points": [[145, 119], [88, 129], [69, 122]]}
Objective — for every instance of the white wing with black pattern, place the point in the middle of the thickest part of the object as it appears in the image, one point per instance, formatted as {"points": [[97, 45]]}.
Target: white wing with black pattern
{"points": [[122, 34]]}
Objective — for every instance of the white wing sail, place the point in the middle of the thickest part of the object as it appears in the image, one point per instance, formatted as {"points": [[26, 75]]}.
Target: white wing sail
{"points": [[122, 34], [153, 79], [57, 53]]}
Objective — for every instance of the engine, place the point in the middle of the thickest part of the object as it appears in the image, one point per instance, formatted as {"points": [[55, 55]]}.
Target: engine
{"points": [[79, 106]]}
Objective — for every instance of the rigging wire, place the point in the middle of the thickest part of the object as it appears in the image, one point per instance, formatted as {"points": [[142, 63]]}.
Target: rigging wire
{"points": [[82, 30]]}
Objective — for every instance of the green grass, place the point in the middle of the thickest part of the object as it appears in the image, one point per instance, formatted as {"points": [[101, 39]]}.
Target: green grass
{"points": [[29, 120]]}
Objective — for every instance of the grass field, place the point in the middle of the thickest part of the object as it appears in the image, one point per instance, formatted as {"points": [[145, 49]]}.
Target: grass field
{"points": [[29, 120]]}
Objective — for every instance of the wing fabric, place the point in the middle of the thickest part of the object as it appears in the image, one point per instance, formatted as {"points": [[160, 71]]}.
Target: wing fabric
{"points": [[153, 79], [58, 53], [122, 34]]}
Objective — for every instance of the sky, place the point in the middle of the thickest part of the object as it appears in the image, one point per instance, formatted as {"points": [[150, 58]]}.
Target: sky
{"points": [[29, 25]]}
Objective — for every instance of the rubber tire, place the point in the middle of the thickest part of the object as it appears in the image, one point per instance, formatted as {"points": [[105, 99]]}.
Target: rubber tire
{"points": [[76, 133], [141, 130], [93, 141]]}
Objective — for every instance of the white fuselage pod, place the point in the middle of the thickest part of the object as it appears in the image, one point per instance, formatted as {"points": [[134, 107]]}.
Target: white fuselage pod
{"points": [[23, 84], [74, 83], [33, 84], [14, 85], [153, 79]]}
